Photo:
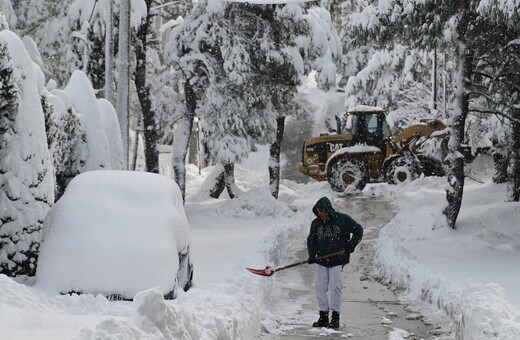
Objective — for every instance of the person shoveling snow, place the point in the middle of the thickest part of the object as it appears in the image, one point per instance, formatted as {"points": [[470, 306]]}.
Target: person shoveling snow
{"points": [[332, 237], [331, 232]]}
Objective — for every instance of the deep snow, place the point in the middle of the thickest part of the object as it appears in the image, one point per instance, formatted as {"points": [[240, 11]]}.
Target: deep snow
{"points": [[469, 272]]}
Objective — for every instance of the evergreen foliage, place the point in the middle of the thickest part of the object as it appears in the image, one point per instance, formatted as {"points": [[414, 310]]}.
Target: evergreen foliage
{"points": [[25, 171], [8, 92], [395, 80], [11, 262], [81, 96], [66, 140], [46, 22]]}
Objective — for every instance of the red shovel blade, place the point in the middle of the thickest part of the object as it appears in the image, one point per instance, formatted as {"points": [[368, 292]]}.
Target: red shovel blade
{"points": [[268, 271]]}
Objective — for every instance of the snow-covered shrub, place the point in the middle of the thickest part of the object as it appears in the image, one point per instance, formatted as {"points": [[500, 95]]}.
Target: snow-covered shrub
{"points": [[26, 173], [83, 99], [65, 138]]}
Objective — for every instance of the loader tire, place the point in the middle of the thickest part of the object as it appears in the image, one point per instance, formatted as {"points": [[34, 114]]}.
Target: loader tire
{"points": [[403, 170], [347, 172], [431, 166]]}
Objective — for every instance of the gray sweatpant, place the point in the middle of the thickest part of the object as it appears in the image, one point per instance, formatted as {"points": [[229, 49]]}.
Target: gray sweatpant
{"points": [[329, 279]]}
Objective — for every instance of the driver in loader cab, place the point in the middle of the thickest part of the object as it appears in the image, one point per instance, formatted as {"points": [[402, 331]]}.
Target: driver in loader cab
{"points": [[330, 232]]}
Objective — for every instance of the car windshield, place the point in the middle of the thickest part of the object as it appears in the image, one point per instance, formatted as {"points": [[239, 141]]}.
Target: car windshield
{"points": [[372, 123]]}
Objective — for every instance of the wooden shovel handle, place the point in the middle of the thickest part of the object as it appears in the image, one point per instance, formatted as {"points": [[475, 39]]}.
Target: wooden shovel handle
{"points": [[307, 261]]}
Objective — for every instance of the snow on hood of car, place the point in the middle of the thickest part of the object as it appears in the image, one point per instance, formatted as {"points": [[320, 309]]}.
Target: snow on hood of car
{"points": [[114, 232], [357, 148]]}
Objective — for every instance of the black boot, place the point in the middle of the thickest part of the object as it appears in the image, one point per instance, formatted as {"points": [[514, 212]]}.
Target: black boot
{"points": [[334, 320], [323, 321]]}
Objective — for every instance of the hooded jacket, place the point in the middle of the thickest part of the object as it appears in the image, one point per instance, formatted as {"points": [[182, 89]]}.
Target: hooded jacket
{"points": [[338, 233]]}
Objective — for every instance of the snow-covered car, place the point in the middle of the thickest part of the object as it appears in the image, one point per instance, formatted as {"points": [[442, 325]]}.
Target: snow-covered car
{"points": [[116, 233]]}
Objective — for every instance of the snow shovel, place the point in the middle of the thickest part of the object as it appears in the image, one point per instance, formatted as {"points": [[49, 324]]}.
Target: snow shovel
{"points": [[269, 271]]}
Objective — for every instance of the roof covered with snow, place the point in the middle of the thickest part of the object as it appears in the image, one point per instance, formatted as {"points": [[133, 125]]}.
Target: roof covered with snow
{"points": [[365, 108], [114, 232]]}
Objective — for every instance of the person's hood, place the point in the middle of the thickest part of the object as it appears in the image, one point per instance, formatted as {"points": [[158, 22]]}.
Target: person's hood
{"points": [[324, 203]]}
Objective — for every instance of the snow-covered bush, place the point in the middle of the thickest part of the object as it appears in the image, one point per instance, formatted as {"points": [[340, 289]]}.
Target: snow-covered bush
{"points": [[83, 99], [113, 134], [65, 138], [26, 173]]}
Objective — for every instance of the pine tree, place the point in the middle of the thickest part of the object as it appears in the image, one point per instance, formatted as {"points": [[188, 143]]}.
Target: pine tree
{"points": [[513, 187], [66, 140], [356, 50], [498, 124], [497, 70], [26, 181], [79, 42]]}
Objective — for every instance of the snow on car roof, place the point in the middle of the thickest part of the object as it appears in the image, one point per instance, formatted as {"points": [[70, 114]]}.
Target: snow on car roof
{"points": [[114, 232], [365, 108]]}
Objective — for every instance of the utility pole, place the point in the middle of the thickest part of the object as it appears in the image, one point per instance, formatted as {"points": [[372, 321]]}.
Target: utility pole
{"points": [[109, 52], [123, 82]]}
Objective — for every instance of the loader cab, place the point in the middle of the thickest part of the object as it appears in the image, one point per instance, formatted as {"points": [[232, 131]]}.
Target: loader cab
{"points": [[367, 127]]}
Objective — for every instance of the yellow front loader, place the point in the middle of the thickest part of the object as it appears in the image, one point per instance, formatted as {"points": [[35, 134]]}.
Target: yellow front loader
{"points": [[364, 151]]}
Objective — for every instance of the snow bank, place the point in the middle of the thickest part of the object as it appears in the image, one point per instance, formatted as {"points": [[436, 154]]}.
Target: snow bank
{"points": [[226, 301], [201, 314], [465, 272], [114, 232]]}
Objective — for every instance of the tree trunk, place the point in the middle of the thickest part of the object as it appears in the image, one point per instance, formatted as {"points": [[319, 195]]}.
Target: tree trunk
{"points": [[274, 158], [151, 154], [513, 184], [182, 140], [224, 180], [135, 150], [434, 83], [455, 157], [500, 162]]}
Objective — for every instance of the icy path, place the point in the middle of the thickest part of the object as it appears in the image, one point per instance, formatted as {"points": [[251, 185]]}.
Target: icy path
{"points": [[370, 309]]}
